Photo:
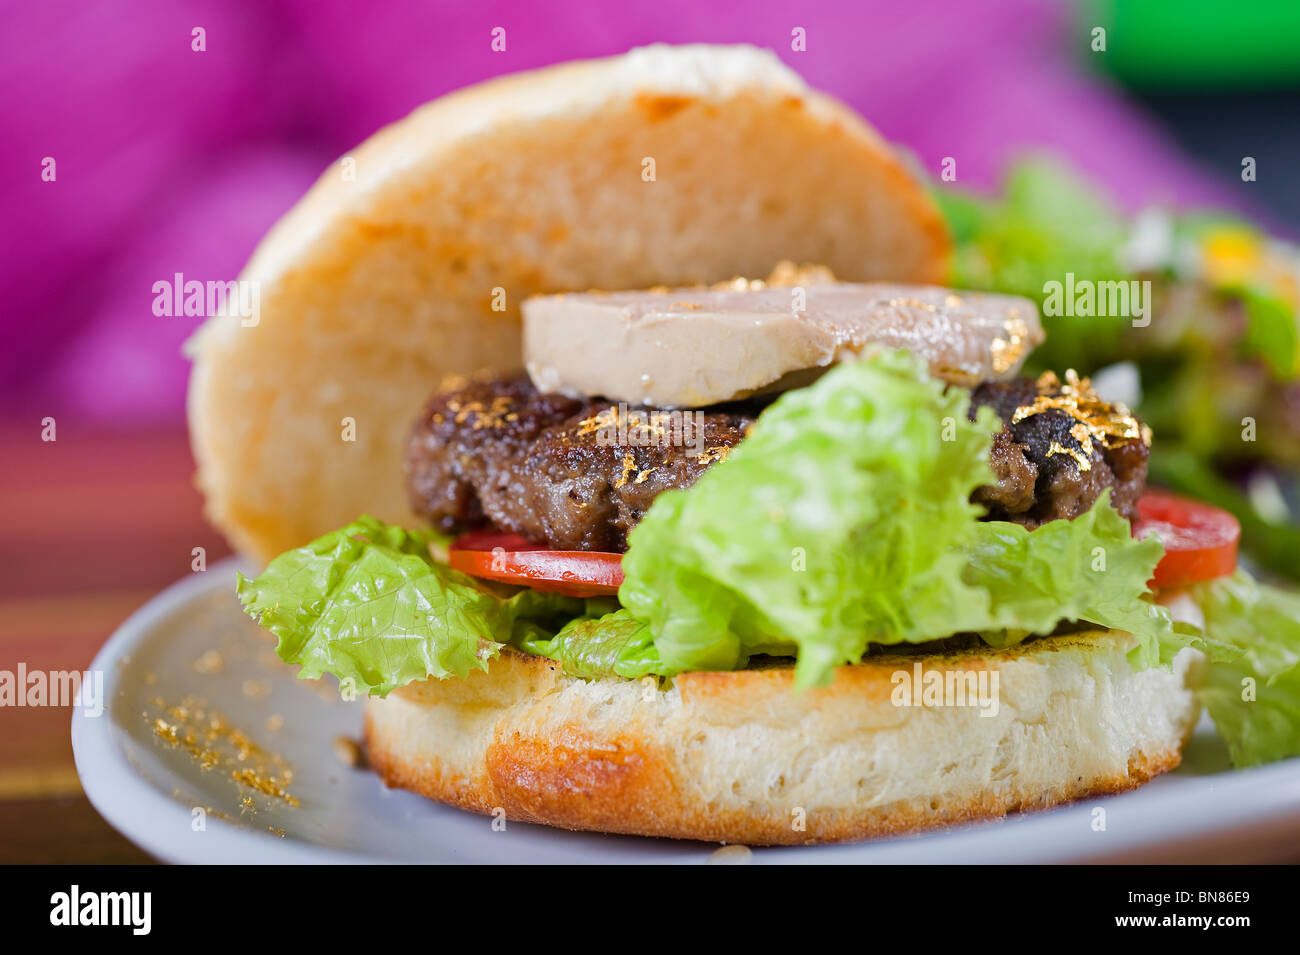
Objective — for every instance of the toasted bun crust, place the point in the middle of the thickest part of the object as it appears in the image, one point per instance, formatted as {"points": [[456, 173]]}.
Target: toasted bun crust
{"points": [[382, 279], [740, 757]]}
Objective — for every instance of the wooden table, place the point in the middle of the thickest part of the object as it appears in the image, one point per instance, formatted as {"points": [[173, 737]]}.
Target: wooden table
{"points": [[94, 524]]}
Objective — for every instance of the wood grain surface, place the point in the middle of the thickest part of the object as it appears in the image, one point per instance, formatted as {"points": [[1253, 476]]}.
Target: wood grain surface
{"points": [[94, 524]]}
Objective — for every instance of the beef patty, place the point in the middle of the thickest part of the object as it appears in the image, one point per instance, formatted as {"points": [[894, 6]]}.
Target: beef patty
{"points": [[575, 474], [578, 474], [1059, 448]]}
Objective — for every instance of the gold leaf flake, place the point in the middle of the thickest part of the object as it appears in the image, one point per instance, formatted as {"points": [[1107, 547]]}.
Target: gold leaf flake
{"points": [[1096, 421]]}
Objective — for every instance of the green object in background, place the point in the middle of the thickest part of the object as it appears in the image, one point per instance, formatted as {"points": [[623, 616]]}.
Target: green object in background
{"points": [[1189, 44], [1048, 222], [1271, 332]]}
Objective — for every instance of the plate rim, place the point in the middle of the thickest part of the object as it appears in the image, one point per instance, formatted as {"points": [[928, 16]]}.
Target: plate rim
{"points": [[122, 796]]}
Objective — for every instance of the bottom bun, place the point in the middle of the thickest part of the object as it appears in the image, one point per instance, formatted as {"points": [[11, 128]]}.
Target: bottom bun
{"points": [[740, 757]]}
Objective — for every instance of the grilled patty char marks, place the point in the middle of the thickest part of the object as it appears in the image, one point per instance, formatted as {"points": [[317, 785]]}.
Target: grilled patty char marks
{"points": [[543, 466], [1059, 449]]}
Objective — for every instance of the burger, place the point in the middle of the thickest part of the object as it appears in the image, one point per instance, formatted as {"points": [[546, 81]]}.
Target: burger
{"points": [[608, 430]]}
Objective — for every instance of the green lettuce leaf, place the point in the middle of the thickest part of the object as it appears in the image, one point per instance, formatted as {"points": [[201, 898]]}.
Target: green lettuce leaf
{"points": [[1089, 568], [845, 520], [368, 603], [1253, 699], [614, 644], [1272, 333]]}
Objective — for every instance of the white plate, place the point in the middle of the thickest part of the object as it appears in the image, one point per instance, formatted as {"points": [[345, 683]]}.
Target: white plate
{"points": [[160, 796]]}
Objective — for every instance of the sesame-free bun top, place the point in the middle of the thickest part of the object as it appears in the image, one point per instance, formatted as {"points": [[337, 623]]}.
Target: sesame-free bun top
{"points": [[408, 259]]}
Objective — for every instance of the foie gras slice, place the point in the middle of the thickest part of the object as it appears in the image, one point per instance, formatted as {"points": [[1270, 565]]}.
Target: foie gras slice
{"points": [[700, 346]]}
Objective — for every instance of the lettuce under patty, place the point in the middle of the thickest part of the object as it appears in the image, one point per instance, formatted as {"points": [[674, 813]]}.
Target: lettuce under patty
{"points": [[369, 604]]}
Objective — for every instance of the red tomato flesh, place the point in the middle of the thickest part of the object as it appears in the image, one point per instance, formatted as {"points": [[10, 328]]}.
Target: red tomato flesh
{"points": [[1200, 543], [510, 559], [1200, 539]]}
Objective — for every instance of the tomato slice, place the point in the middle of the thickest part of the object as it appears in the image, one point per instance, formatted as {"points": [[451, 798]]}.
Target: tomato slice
{"points": [[1200, 539], [1200, 544], [510, 559]]}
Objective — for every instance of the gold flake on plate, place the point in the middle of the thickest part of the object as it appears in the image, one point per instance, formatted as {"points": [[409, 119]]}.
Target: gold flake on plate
{"points": [[215, 744]]}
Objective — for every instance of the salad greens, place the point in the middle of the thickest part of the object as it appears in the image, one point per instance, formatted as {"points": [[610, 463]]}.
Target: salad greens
{"points": [[1253, 696], [1047, 223]]}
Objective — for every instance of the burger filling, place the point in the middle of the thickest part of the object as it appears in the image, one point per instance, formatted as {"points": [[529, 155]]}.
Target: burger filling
{"points": [[579, 474]]}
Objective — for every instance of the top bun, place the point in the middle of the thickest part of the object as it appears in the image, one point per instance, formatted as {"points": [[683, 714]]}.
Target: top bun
{"points": [[665, 166]]}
